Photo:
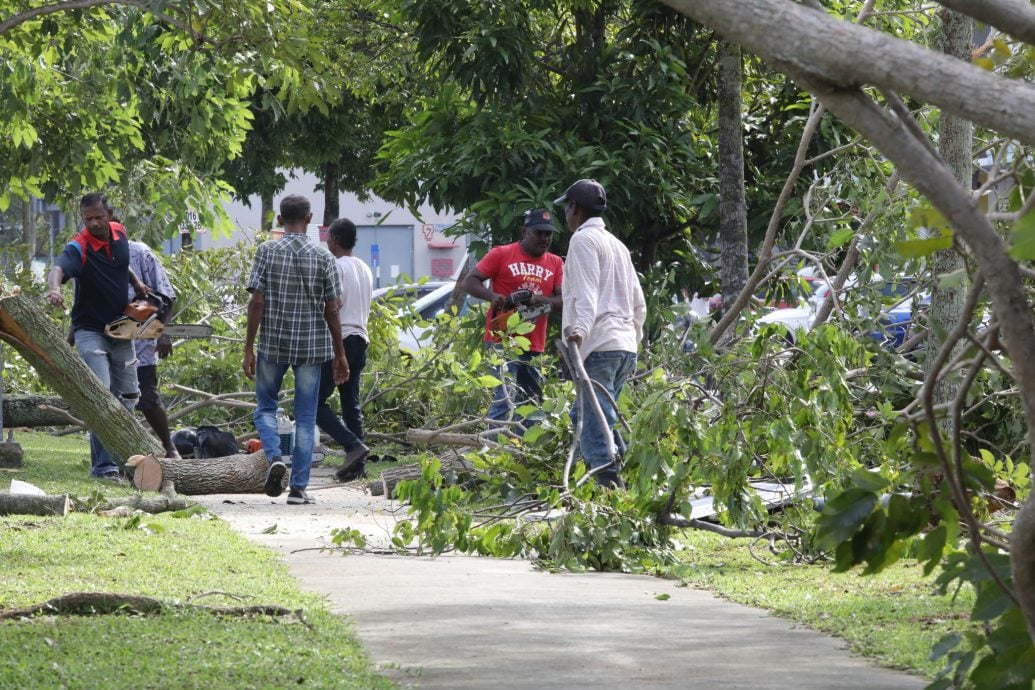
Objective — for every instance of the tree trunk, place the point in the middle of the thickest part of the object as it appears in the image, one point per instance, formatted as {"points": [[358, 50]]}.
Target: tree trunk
{"points": [[43, 346], [266, 221], [331, 195], [955, 143], [26, 411], [28, 504], [233, 474], [733, 262], [28, 231]]}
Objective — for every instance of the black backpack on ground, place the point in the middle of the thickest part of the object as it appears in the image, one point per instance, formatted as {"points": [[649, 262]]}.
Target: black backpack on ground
{"points": [[215, 443]]}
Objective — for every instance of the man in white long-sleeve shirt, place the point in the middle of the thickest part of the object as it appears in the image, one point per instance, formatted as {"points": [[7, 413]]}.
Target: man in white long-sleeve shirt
{"points": [[604, 312]]}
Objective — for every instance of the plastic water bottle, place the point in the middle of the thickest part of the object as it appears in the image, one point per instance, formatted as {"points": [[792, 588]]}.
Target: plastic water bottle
{"points": [[286, 431]]}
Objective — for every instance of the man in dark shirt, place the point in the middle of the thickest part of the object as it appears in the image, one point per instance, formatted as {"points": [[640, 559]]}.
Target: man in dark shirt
{"points": [[98, 258]]}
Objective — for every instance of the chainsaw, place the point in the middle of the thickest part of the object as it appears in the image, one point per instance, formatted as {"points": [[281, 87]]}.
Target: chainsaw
{"points": [[519, 301], [141, 320]]}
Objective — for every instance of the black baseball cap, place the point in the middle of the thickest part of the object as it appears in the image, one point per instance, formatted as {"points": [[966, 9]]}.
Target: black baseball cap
{"points": [[539, 219], [586, 193]]}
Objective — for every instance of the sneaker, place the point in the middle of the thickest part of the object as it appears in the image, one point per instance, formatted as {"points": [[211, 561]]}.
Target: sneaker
{"points": [[274, 478], [352, 457], [298, 497], [113, 476]]}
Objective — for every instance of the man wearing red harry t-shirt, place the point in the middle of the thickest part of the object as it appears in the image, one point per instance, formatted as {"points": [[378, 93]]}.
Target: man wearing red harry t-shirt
{"points": [[524, 265]]}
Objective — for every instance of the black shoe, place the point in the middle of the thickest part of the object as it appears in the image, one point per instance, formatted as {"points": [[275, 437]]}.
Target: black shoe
{"points": [[298, 497], [113, 476], [352, 458], [275, 478], [356, 471]]}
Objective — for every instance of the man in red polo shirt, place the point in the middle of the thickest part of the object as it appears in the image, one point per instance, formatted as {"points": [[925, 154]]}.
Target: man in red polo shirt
{"points": [[98, 258], [525, 265]]}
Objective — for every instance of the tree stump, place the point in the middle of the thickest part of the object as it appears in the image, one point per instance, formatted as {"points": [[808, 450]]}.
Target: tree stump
{"points": [[29, 504], [233, 474], [25, 325], [10, 454]]}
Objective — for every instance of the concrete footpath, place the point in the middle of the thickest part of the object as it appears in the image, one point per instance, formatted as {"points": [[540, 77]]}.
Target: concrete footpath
{"points": [[469, 622]]}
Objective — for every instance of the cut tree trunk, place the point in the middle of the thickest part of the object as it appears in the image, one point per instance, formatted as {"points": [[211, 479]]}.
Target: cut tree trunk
{"points": [[30, 411], [233, 474], [24, 325], [28, 504], [160, 503]]}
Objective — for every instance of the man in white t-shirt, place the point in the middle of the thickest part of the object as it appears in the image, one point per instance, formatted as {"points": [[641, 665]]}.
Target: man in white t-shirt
{"points": [[357, 284], [604, 313]]}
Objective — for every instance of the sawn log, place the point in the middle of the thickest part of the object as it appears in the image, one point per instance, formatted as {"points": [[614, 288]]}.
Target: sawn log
{"points": [[30, 504], [30, 411], [233, 474]]}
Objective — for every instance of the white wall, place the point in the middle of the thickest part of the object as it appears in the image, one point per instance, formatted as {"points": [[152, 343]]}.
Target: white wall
{"points": [[371, 212]]}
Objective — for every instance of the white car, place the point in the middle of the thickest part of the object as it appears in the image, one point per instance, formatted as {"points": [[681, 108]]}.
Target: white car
{"points": [[432, 299], [799, 319]]}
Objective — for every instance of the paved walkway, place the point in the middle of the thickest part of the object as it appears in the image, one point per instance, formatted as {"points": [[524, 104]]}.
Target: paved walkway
{"points": [[468, 622]]}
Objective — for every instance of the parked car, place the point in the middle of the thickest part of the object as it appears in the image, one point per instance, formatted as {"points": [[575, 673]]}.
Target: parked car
{"points": [[427, 300], [800, 318], [408, 292]]}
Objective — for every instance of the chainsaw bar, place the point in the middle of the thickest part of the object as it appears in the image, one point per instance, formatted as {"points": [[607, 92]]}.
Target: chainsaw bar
{"points": [[187, 330]]}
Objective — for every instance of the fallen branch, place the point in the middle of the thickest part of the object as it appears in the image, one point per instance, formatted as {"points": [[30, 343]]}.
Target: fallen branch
{"points": [[386, 482], [693, 523], [450, 439], [101, 603]]}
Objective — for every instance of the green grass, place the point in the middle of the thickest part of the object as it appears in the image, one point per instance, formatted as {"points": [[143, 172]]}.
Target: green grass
{"points": [[169, 558], [894, 617]]}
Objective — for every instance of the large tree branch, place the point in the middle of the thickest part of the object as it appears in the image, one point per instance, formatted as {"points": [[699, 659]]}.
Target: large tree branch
{"points": [[843, 55], [153, 8], [1013, 17]]}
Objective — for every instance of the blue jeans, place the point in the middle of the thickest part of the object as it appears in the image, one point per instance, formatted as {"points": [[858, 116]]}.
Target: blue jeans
{"points": [[610, 369], [268, 377], [347, 429], [114, 363], [521, 384]]}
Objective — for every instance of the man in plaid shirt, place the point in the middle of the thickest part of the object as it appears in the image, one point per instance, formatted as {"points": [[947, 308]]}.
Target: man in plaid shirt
{"points": [[295, 294]]}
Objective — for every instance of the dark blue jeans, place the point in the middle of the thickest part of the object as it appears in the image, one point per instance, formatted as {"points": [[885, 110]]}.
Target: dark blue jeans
{"points": [[521, 384], [609, 369], [347, 429]]}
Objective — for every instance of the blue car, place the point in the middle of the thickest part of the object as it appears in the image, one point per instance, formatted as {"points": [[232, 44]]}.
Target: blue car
{"points": [[896, 324]]}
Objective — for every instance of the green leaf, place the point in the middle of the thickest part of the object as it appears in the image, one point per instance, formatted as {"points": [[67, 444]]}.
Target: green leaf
{"points": [[869, 480], [844, 515], [914, 249], [272, 529], [926, 216], [1023, 238], [839, 237], [663, 597], [991, 603], [931, 547], [947, 281]]}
